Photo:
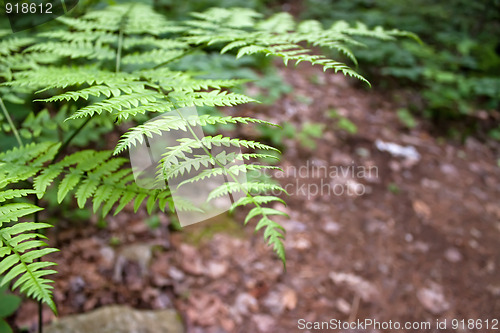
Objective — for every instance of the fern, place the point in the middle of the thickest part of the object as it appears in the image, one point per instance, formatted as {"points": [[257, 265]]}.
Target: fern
{"points": [[167, 123], [57, 77], [88, 173], [117, 64], [14, 44], [20, 244], [280, 36], [114, 90], [75, 50]]}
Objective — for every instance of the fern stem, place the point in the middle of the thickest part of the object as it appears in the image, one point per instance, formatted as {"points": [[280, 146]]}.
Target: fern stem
{"points": [[120, 39], [11, 123], [64, 6], [119, 51], [69, 139], [40, 316], [40, 304]]}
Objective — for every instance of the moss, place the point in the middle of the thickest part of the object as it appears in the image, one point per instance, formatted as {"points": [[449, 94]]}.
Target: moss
{"points": [[198, 233]]}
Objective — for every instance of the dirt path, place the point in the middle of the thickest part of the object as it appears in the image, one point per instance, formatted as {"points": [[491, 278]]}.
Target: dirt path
{"points": [[419, 243]]}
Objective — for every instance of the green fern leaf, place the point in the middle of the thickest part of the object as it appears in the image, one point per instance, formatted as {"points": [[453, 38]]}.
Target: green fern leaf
{"points": [[118, 103], [67, 184], [18, 251], [17, 193]]}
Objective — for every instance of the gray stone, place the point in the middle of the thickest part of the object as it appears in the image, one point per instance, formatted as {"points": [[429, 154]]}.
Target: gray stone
{"points": [[119, 319]]}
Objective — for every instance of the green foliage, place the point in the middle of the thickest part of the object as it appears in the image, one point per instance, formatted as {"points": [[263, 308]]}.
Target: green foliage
{"points": [[306, 135], [280, 36], [309, 133], [225, 66], [343, 123], [123, 65], [347, 125], [406, 118], [44, 126], [455, 73], [393, 188], [21, 247], [9, 303]]}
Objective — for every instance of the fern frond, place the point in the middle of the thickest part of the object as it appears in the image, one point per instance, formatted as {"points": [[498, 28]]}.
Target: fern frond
{"points": [[119, 103], [111, 88], [74, 50], [190, 84], [90, 174], [14, 44], [263, 211], [260, 199], [164, 44], [80, 37], [154, 57], [23, 162], [280, 36], [158, 106], [19, 248], [212, 98], [234, 170], [250, 187], [187, 145], [62, 77], [14, 193], [168, 123], [28, 152], [82, 24], [274, 234], [233, 17], [12, 211]]}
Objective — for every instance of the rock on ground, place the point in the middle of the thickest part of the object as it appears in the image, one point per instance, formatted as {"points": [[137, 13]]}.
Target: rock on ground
{"points": [[119, 319]]}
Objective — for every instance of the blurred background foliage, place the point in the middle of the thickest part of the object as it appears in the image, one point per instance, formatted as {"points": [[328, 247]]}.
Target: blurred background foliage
{"points": [[453, 78]]}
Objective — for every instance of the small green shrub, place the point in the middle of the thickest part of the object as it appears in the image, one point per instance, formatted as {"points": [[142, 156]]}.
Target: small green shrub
{"points": [[343, 123], [406, 118]]}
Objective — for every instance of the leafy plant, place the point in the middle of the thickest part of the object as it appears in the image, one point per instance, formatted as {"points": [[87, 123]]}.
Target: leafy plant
{"points": [[406, 118], [117, 66], [9, 303], [310, 132], [306, 135], [343, 123]]}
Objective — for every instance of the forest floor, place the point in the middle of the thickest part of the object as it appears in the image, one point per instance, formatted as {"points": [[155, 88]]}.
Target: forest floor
{"points": [[420, 242]]}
